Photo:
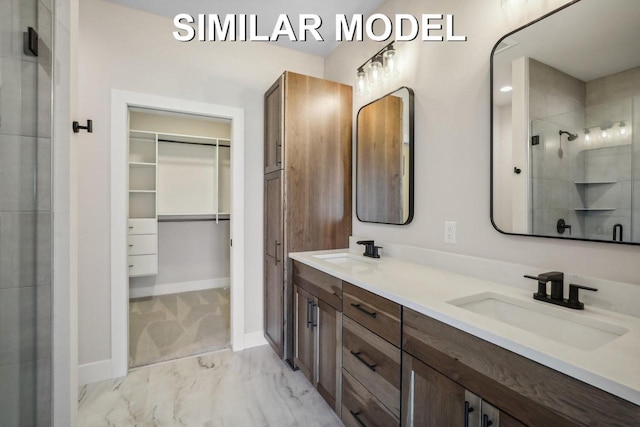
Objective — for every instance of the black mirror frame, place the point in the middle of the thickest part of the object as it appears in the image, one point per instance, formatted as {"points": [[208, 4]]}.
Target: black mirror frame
{"points": [[492, 148], [411, 157]]}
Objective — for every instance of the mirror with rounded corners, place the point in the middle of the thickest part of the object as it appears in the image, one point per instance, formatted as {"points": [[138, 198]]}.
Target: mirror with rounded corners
{"points": [[384, 159], [565, 128]]}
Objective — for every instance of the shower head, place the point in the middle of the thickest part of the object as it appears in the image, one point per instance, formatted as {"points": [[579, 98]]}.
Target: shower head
{"points": [[571, 136]]}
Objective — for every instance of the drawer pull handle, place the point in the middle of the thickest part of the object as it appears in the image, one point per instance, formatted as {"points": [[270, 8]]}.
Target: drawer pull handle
{"points": [[131, 227], [485, 421], [309, 321], [467, 410], [276, 252], [131, 266], [371, 366], [368, 313], [130, 246], [356, 415]]}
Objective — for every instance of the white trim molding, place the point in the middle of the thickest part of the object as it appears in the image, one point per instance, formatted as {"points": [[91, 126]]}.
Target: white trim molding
{"points": [[254, 339], [120, 103], [94, 372], [174, 288]]}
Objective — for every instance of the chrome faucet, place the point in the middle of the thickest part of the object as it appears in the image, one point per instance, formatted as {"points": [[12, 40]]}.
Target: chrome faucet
{"points": [[557, 290]]}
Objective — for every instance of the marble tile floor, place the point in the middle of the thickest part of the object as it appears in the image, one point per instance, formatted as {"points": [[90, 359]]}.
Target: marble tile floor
{"points": [[168, 327], [244, 389]]}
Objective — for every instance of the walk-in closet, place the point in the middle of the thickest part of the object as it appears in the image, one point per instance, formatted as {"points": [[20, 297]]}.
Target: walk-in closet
{"points": [[178, 235]]}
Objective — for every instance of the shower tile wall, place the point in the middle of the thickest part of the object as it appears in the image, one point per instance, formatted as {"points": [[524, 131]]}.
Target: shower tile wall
{"points": [[559, 99], [25, 216]]}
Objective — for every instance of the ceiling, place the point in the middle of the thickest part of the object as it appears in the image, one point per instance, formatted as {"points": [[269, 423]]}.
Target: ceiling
{"points": [[588, 40], [267, 12]]}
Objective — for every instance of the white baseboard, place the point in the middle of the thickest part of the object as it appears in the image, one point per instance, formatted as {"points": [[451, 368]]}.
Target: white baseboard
{"points": [[94, 372], [254, 339], [174, 288]]}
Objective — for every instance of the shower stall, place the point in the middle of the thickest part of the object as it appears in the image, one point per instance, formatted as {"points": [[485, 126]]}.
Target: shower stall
{"points": [[585, 171], [25, 212]]}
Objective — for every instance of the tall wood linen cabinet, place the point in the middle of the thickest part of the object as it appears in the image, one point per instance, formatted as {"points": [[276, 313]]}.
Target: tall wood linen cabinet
{"points": [[307, 187]]}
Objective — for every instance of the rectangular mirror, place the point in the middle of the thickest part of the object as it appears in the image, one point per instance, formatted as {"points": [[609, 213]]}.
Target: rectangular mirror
{"points": [[565, 140], [384, 159]]}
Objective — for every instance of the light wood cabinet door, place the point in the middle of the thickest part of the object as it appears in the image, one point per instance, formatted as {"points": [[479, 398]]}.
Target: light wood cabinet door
{"points": [[273, 264], [273, 128], [304, 322], [429, 398], [328, 372]]}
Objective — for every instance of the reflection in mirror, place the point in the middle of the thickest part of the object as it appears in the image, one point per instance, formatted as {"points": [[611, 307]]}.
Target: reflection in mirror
{"points": [[384, 156], [566, 115]]}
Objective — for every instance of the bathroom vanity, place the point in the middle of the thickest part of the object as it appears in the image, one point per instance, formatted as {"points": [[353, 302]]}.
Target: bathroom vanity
{"points": [[421, 346]]}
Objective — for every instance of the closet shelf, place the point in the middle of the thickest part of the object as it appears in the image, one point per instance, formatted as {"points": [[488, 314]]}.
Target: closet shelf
{"points": [[142, 164], [142, 191], [192, 217], [594, 209]]}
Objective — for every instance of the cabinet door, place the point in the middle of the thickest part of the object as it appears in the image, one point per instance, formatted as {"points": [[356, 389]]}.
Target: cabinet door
{"points": [[328, 372], [273, 305], [304, 351], [429, 398], [273, 234], [273, 127], [273, 264]]}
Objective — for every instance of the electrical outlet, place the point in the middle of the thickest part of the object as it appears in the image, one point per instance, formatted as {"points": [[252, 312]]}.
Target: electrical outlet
{"points": [[449, 232]]}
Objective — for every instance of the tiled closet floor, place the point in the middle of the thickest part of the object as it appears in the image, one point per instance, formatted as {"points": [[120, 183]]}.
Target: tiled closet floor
{"points": [[171, 326], [248, 388]]}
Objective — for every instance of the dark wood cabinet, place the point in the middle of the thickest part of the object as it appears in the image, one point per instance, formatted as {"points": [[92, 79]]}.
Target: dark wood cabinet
{"points": [[329, 346], [305, 324], [514, 391], [273, 263], [318, 332], [308, 134], [273, 127], [430, 398]]}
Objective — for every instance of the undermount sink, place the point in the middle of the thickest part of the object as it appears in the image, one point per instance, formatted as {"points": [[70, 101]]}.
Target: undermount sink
{"points": [[341, 258], [558, 324]]}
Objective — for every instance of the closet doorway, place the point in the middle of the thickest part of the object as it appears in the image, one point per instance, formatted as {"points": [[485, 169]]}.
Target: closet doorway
{"points": [[179, 211]]}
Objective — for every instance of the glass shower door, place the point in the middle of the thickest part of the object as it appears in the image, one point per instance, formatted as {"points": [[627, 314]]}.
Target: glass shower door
{"points": [[25, 212]]}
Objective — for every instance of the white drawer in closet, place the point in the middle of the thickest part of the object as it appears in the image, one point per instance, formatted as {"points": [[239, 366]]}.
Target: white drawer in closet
{"points": [[143, 244], [143, 265], [143, 226]]}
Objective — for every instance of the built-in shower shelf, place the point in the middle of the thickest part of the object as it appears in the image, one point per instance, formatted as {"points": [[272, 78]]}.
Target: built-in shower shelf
{"points": [[594, 209], [595, 182]]}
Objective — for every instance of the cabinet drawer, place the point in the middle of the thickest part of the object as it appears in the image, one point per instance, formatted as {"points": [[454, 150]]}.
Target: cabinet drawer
{"points": [[143, 265], [142, 226], [322, 285], [375, 313], [143, 244], [359, 407], [374, 362]]}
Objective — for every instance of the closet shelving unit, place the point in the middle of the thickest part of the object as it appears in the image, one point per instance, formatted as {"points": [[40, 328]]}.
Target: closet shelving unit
{"points": [[168, 174], [143, 220]]}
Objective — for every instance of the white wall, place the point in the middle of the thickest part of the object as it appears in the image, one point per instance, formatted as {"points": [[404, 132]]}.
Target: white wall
{"points": [[451, 83], [121, 48]]}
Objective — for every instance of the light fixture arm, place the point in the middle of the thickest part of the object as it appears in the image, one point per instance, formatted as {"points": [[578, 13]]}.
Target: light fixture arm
{"points": [[378, 53]]}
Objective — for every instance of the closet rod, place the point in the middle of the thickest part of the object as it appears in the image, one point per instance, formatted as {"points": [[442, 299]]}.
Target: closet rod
{"points": [[191, 219], [193, 143]]}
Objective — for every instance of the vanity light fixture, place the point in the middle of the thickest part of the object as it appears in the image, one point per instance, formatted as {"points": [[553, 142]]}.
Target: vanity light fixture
{"points": [[622, 128], [506, 89], [384, 64], [509, 4]]}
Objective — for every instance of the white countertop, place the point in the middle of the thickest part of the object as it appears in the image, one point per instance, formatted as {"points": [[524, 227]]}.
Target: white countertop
{"points": [[614, 367]]}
